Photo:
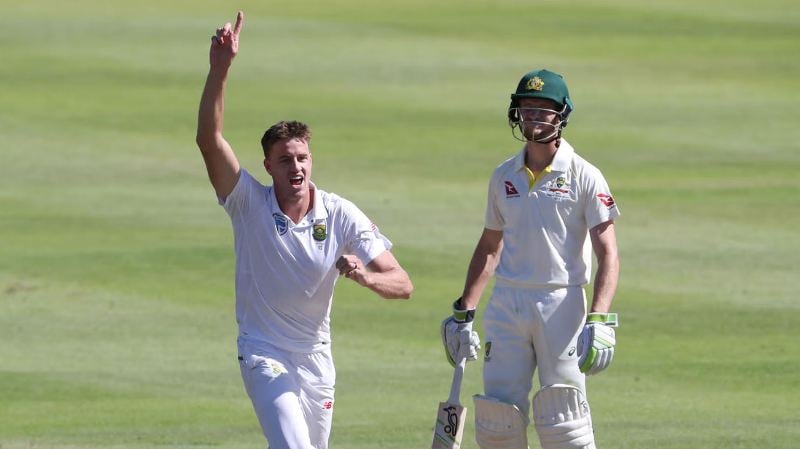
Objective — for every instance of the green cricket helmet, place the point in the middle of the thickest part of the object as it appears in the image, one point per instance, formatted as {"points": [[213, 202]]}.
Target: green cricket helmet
{"points": [[541, 84]]}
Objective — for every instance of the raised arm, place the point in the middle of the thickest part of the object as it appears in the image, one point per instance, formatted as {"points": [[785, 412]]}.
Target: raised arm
{"points": [[221, 162], [383, 275]]}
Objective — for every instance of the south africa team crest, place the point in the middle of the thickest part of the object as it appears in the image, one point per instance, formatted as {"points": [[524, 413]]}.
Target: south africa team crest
{"points": [[320, 232]]}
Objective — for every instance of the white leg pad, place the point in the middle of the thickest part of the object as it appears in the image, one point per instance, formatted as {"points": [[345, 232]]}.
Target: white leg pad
{"points": [[562, 418], [499, 425]]}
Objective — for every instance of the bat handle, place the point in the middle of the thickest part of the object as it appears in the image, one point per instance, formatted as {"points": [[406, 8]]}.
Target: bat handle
{"points": [[458, 376]]}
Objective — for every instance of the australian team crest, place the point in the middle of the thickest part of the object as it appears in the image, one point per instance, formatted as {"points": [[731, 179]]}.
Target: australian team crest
{"points": [[558, 189], [535, 83], [320, 232], [281, 223]]}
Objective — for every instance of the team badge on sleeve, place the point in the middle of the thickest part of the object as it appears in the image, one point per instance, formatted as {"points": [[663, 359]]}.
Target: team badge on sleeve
{"points": [[607, 200]]}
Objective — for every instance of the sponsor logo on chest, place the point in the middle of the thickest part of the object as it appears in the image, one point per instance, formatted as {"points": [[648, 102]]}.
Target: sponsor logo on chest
{"points": [[281, 223], [511, 191]]}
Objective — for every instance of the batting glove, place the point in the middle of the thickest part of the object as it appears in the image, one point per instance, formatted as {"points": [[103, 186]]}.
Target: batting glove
{"points": [[596, 342], [457, 335]]}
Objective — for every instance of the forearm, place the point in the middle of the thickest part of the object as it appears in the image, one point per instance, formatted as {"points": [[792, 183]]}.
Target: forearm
{"points": [[390, 284], [212, 108], [605, 282], [481, 269]]}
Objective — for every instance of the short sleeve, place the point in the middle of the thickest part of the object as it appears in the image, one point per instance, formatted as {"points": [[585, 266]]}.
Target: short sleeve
{"points": [[600, 206], [493, 218], [242, 195], [363, 238]]}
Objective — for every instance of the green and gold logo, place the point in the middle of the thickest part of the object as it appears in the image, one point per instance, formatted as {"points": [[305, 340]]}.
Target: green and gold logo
{"points": [[560, 182], [320, 232], [535, 83]]}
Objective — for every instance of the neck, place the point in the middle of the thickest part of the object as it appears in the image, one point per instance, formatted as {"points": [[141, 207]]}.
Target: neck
{"points": [[295, 206], [539, 155]]}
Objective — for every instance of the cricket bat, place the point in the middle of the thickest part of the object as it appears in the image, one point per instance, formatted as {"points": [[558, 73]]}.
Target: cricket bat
{"points": [[449, 428]]}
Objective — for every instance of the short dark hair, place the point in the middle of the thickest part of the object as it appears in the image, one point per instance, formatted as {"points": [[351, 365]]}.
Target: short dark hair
{"points": [[284, 130]]}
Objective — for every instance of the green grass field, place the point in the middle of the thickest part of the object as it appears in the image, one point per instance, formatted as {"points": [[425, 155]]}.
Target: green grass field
{"points": [[116, 264]]}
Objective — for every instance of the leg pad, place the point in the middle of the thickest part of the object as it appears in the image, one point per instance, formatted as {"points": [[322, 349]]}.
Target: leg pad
{"points": [[499, 425], [562, 418]]}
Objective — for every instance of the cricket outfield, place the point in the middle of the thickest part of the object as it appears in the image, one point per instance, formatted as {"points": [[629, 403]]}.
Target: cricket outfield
{"points": [[116, 264]]}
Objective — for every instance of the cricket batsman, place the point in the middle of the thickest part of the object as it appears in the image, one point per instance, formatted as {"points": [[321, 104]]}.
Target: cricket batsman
{"points": [[548, 209]]}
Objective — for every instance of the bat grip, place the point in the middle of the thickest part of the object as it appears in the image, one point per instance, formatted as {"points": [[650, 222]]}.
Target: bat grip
{"points": [[458, 376]]}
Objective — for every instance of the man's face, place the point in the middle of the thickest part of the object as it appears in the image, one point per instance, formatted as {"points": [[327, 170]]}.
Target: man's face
{"points": [[289, 164], [539, 117]]}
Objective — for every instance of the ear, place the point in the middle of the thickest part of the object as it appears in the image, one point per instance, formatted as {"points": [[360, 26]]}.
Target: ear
{"points": [[267, 166]]}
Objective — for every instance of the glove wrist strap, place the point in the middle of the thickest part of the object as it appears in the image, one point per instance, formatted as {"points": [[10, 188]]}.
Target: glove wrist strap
{"points": [[609, 319], [460, 314]]}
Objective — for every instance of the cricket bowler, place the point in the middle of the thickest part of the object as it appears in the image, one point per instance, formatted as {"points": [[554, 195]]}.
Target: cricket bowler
{"points": [[292, 242]]}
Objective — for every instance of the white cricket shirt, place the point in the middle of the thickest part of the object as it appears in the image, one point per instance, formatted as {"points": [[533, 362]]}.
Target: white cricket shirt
{"points": [[285, 272], [545, 228]]}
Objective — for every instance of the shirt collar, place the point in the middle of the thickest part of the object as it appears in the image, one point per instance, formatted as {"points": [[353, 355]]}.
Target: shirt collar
{"points": [[519, 159], [317, 213], [561, 161], [563, 158]]}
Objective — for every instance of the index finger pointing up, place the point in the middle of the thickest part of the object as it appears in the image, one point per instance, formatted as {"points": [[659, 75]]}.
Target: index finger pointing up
{"points": [[239, 22]]}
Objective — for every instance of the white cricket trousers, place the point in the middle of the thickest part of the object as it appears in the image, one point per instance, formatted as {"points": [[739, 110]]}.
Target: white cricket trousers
{"points": [[292, 394], [530, 328]]}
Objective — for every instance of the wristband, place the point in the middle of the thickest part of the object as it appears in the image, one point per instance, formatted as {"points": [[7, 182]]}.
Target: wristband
{"points": [[462, 315], [609, 319]]}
